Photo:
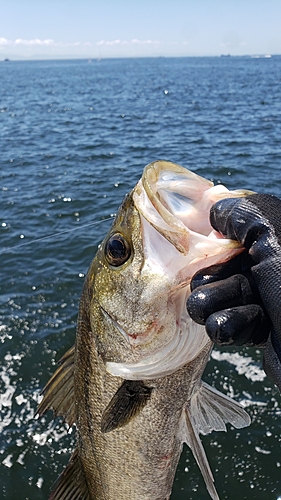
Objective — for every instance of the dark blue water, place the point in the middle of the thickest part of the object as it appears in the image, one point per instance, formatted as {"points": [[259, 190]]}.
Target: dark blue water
{"points": [[74, 138]]}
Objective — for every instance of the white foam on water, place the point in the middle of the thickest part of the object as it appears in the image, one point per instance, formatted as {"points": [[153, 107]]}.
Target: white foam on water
{"points": [[260, 450], [49, 435], [18, 412], [244, 365], [8, 461], [4, 333], [6, 396], [39, 482]]}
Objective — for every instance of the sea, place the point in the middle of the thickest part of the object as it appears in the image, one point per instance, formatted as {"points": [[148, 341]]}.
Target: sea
{"points": [[75, 136]]}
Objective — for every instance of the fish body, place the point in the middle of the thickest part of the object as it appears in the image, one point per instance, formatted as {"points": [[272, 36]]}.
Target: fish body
{"points": [[132, 383]]}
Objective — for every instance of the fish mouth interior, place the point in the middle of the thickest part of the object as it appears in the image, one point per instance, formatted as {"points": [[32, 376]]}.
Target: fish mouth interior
{"points": [[179, 190], [174, 204], [177, 202], [174, 191]]}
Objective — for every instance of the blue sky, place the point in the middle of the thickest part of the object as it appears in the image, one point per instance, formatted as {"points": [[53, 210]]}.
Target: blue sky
{"points": [[132, 28]]}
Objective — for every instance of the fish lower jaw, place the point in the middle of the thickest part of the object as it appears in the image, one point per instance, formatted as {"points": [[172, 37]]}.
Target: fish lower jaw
{"points": [[185, 345]]}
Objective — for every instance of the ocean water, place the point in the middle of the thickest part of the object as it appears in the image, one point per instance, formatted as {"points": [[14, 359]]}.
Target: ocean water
{"points": [[75, 137]]}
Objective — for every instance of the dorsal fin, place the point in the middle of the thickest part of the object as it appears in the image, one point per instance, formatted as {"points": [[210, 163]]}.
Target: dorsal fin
{"points": [[71, 484], [125, 404], [59, 391]]}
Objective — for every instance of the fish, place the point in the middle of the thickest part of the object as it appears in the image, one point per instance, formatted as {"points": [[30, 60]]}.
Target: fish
{"points": [[132, 384]]}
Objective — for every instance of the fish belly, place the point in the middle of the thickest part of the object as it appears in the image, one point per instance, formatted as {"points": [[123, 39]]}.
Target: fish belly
{"points": [[137, 461]]}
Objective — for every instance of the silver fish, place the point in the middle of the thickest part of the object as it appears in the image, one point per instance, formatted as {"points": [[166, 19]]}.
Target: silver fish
{"points": [[132, 382]]}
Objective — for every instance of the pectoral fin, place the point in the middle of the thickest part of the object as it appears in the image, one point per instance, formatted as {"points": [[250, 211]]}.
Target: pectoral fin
{"points": [[71, 484], [127, 402], [209, 410], [59, 391]]}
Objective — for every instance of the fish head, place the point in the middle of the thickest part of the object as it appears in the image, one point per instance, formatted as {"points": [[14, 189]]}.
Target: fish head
{"points": [[140, 277], [131, 312]]}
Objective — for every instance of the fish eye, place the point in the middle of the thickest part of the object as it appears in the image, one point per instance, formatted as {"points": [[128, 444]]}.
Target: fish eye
{"points": [[117, 250]]}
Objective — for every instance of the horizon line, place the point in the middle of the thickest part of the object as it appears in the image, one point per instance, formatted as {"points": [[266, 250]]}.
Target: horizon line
{"points": [[94, 58]]}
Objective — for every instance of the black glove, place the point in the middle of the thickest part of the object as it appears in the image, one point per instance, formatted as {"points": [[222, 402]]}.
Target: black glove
{"points": [[245, 305], [226, 300]]}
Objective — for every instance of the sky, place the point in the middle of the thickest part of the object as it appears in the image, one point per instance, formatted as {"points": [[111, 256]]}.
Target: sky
{"points": [[39, 29]]}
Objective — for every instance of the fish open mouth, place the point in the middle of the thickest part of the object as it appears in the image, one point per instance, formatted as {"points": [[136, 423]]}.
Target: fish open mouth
{"points": [[176, 202]]}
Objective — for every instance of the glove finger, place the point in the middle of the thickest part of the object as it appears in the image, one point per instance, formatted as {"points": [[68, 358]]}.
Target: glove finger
{"points": [[213, 297], [221, 216], [243, 219], [241, 264], [244, 325]]}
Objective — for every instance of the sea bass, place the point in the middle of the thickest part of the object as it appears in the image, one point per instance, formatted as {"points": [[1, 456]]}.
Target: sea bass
{"points": [[132, 382]]}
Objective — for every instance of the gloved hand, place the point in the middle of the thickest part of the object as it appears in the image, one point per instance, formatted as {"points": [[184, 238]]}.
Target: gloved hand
{"points": [[244, 306]]}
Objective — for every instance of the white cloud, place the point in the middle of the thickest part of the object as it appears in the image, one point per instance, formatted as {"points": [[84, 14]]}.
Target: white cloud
{"points": [[134, 41], [49, 47], [4, 41], [37, 42], [144, 42], [49, 42], [114, 42]]}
